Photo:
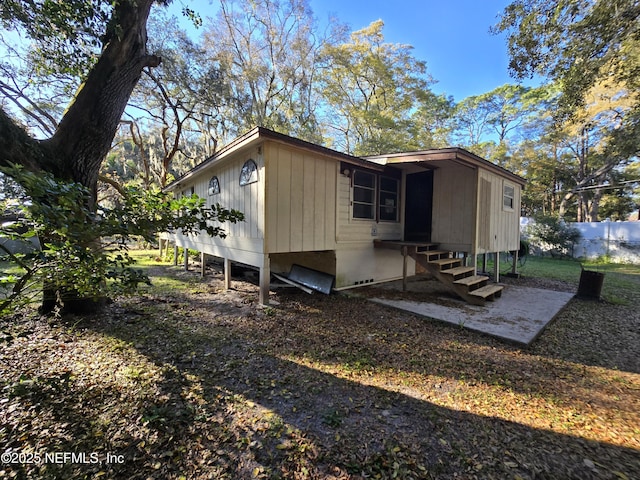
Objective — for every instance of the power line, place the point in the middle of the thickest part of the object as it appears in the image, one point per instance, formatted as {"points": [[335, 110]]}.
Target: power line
{"points": [[608, 187]]}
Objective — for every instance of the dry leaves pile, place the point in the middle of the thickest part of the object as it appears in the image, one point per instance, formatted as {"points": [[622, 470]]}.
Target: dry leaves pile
{"points": [[191, 382]]}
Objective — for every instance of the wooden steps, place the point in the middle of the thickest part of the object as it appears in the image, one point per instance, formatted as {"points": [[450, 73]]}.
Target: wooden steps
{"points": [[450, 271], [460, 279]]}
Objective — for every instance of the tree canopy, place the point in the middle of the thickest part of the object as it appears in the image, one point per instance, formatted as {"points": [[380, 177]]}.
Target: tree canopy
{"points": [[102, 46], [580, 44]]}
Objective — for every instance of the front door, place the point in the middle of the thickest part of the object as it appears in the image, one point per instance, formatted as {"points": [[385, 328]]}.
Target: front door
{"points": [[418, 205]]}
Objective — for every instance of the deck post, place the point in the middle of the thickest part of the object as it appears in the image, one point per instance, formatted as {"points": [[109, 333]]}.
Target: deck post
{"points": [[265, 281], [496, 267], [514, 267], [175, 255], [186, 258], [405, 252], [227, 273], [203, 263]]}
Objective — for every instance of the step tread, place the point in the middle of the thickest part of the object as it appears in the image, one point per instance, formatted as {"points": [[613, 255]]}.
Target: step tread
{"points": [[445, 261], [433, 252], [427, 246], [459, 271], [487, 291], [472, 280]]}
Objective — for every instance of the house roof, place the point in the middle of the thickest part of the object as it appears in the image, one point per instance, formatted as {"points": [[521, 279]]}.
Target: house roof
{"points": [[260, 133], [425, 158], [429, 159]]}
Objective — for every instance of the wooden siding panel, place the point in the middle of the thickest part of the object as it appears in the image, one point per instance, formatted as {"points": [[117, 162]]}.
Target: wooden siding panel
{"points": [[271, 196], [248, 199], [309, 204], [296, 215], [301, 189], [454, 203], [283, 201], [484, 221], [331, 173], [502, 224]]}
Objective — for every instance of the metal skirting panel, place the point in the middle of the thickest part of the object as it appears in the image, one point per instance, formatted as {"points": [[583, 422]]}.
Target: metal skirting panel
{"points": [[319, 281]]}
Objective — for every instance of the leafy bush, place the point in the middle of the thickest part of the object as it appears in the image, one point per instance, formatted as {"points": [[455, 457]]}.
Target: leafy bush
{"points": [[549, 235], [83, 252]]}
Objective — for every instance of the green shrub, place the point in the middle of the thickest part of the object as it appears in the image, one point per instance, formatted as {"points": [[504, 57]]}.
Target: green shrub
{"points": [[550, 236]]}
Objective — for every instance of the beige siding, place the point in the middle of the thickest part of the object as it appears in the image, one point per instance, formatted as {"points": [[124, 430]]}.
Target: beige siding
{"points": [[359, 264], [249, 199], [300, 200], [484, 216], [454, 201], [499, 227], [244, 241]]}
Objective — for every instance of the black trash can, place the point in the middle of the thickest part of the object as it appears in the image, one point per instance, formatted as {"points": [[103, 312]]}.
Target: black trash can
{"points": [[590, 286]]}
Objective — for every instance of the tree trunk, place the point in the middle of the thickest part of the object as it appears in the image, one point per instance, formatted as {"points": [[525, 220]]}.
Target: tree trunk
{"points": [[84, 136], [594, 208], [596, 175]]}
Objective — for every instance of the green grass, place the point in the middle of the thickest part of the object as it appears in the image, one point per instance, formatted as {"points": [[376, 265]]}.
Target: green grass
{"points": [[147, 258], [567, 270], [620, 280], [557, 269]]}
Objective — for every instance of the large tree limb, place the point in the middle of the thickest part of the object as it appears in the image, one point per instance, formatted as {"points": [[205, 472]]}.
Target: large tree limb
{"points": [[603, 170], [87, 129], [42, 117], [17, 147]]}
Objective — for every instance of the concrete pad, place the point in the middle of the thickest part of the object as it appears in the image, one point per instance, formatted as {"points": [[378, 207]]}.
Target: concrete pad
{"points": [[519, 315]]}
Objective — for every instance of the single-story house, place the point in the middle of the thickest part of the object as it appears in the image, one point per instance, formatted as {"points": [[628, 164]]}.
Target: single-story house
{"points": [[311, 206]]}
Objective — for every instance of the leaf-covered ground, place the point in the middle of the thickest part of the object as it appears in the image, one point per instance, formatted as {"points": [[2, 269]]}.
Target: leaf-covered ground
{"points": [[189, 381]]}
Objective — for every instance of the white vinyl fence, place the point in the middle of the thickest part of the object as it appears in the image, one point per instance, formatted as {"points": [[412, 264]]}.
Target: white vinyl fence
{"points": [[619, 241]]}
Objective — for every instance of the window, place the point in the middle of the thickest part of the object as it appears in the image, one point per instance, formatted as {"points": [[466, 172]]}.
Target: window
{"points": [[388, 199], [214, 186], [364, 195], [249, 173], [375, 197], [508, 193]]}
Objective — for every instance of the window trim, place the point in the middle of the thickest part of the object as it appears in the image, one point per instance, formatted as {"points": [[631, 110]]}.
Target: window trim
{"points": [[248, 173], [396, 205], [214, 186], [374, 194], [508, 200]]}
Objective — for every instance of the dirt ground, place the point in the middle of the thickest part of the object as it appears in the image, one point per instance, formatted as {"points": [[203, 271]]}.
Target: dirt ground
{"points": [[191, 381]]}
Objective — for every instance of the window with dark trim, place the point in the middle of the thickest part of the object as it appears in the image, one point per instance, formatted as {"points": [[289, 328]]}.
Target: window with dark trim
{"points": [[508, 195], [214, 186], [388, 198], [249, 173], [364, 195], [375, 197]]}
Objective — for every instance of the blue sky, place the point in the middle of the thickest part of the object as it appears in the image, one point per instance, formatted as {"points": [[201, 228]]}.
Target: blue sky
{"points": [[452, 36]]}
